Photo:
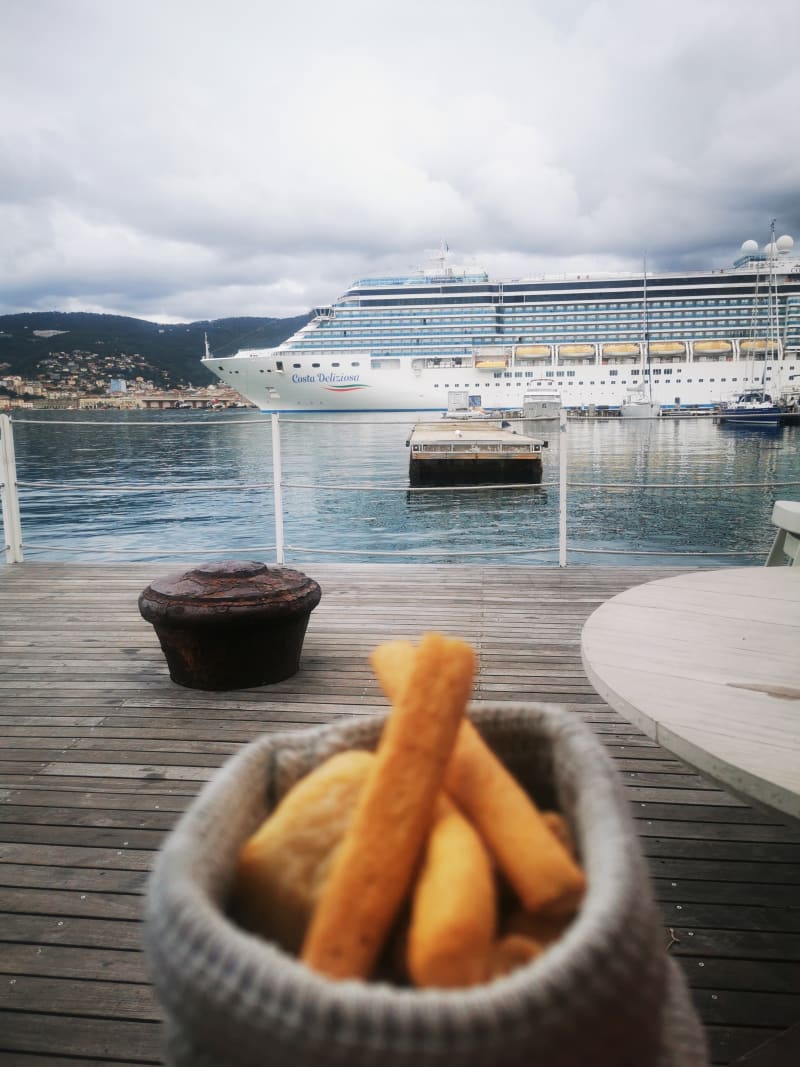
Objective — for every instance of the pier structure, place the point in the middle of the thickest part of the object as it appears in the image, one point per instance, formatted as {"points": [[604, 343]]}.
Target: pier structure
{"points": [[473, 452], [102, 753]]}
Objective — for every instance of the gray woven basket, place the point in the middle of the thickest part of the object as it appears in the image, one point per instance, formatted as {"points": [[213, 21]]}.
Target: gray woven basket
{"points": [[606, 994]]}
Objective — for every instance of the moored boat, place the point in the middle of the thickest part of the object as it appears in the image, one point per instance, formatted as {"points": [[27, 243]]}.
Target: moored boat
{"points": [[756, 406], [752, 408], [636, 404], [542, 401]]}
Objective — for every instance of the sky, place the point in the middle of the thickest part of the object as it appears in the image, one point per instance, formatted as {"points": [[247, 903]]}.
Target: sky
{"points": [[178, 160]]}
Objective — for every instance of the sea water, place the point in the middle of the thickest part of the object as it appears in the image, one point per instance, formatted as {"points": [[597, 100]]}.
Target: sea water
{"points": [[190, 486]]}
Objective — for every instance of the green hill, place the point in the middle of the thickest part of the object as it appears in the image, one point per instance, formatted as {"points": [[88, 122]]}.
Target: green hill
{"points": [[175, 350]]}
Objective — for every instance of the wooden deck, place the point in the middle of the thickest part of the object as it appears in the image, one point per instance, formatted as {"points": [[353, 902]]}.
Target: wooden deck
{"points": [[101, 753]]}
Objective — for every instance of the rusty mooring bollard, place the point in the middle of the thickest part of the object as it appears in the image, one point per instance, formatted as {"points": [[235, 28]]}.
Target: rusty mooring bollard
{"points": [[231, 625]]}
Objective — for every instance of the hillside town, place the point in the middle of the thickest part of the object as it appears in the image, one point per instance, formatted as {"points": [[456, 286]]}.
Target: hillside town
{"points": [[81, 380]]}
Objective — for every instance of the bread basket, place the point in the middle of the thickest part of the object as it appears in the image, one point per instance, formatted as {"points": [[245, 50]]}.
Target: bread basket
{"points": [[606, 994]]}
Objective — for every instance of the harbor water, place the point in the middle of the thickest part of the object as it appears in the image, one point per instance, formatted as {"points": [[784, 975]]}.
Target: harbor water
{"points": [[97, 487]]}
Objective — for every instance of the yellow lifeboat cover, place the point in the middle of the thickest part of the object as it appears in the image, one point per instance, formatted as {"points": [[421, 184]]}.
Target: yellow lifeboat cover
{"points": [[667, 348], [576, 350], [621, 348], [713, 346]]}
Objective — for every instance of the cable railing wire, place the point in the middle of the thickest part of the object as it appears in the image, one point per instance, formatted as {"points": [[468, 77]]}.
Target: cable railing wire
{"points": [[278, 484], [369, 487]]}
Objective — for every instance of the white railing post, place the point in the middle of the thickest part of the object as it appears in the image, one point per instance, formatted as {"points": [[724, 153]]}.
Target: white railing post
{"points": [[9, 500], [562, 487], [277, 495]]}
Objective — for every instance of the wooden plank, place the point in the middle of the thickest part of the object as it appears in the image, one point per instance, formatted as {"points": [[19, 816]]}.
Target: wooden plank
{"points": [[102, 753], [777, 1051], [76, 1036], [63, 902], [115, 1000]]}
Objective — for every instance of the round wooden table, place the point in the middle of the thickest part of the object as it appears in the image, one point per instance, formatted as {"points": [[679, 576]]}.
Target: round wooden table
{"points": [[708, 665]]}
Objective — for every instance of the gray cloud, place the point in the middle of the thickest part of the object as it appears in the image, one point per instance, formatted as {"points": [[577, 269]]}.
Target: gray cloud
{"points": [[197, 159]]}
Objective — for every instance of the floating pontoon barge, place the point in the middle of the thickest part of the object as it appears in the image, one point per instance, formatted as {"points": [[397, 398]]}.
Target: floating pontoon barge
{"points": [[472, 453]]}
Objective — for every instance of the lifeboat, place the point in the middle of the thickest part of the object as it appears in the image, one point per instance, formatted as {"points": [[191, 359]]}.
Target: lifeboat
{"points": [[533, 351], [713, 348], [491, 357], [667, 348], [758, 345], [576, 351], [615, 349]]}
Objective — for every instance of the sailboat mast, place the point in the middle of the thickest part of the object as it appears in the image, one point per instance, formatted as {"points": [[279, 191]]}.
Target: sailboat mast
{"points": [[646, 338], [772, 302]]}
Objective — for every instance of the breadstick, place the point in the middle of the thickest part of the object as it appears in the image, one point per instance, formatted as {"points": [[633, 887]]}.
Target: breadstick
{"points": [[374, 867], [454, 907], [534, 861], [559, 826], [392, 663], [544, 929], [510, 952], [526, 849]]}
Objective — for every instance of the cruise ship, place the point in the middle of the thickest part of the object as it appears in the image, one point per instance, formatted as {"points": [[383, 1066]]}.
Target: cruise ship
{"points": [[689, 339]]}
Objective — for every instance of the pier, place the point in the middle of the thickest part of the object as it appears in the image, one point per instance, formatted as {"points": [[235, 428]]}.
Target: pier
{"points": [[101, 754]]}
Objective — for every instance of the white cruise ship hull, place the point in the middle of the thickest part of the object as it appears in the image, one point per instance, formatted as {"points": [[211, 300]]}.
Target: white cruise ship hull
{"points": [[690, 385], [689, 340]]}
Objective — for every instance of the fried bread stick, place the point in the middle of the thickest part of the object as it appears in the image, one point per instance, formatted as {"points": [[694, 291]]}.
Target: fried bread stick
{"points": [[374, 867], [528, 852], [454, 909]]}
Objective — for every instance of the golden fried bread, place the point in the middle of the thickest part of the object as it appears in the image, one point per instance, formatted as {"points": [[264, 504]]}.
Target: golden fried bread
{"points": [[283, 866]]}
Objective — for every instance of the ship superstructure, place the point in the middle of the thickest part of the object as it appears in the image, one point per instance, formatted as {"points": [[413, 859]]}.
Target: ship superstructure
{"points": [[695, 338]]}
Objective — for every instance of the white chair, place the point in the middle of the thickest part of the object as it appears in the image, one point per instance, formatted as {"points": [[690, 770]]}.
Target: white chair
{"points": [[786, 516]]}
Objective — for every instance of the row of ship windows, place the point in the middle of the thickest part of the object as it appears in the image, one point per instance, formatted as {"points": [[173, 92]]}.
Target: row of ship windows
{"points": [[611, 373], [580, 318], [530, 373], [622, 381], [620, 322], [462, 347], [400, 337], [635, 303], [452, 328]]}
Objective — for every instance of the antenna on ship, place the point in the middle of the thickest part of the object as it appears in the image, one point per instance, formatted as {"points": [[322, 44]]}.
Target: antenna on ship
{"points": [[439, 257], [444, 249], [205, 343]]}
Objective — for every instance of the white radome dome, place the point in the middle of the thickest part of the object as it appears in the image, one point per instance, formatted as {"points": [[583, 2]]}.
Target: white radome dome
{"points": [[771, 248], [750, 246], [785, 243]]}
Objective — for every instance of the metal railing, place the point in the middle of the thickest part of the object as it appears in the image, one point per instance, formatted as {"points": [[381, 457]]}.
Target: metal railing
{"points": [[12, 526]]}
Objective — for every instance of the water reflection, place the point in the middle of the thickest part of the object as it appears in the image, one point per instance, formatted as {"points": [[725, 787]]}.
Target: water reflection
{"points": [[328, 461]]}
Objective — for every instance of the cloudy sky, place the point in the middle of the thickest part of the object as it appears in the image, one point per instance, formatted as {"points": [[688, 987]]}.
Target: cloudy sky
{"points": [[189, 159]]}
